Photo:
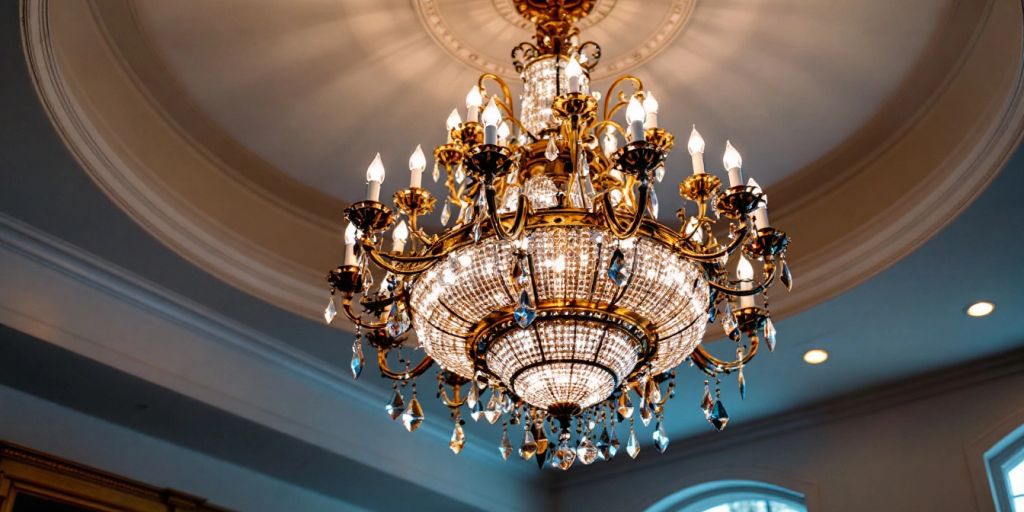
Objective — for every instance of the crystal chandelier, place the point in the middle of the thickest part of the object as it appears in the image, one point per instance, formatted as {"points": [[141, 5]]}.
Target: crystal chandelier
{"points": [[555, 301]]}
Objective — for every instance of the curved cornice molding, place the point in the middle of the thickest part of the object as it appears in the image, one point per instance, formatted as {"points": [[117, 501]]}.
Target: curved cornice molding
{"points": [[887, 189]]}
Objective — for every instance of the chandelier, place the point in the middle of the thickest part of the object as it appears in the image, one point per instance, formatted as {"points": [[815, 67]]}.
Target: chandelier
{"points": [[554, 301]]}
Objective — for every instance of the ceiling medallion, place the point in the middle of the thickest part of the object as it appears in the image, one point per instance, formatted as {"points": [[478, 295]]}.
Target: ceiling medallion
{"points": [[675, 16], [555, 301]]}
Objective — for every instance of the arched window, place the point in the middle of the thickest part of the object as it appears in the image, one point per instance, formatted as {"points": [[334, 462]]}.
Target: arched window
{"points": [[732, 496], [1006, 472]]}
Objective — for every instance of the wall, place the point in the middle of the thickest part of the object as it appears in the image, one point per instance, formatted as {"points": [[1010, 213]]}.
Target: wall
{"points": [[912, 446]]}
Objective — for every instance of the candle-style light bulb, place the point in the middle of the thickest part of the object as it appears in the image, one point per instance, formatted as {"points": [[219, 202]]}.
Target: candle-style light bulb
{"points": [[745, 275], [611, 142], [490, 119], [399, 237], [503, 131], [417, 163], [350, 244], [650, 105], [733, 162], [635, 117], [696, 148], [474, 99], [573, 71], [374, 177]]}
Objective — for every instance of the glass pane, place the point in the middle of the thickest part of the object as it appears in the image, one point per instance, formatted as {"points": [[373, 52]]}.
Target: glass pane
{"points": [[778, 506], [1018, 504], [719, 508], [1016, 479]]}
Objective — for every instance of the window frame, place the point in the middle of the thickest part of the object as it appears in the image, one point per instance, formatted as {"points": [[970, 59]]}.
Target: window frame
{"points": [[1003, 457], [710, 494]]}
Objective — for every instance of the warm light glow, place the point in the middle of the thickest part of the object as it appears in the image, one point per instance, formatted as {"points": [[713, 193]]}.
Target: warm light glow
{"points": [[696, 143], [635, 111], [982, 308], [401, 232], [350, 234], [454, 120], [732, 158], [744, 270], [815, 356], [491, 115], [573, 68], [417, 161], [375, 172], [650, 103], [474, 99]]}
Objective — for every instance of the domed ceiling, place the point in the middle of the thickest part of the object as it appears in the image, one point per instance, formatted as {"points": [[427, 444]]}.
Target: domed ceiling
{"points": [[237, 130]]}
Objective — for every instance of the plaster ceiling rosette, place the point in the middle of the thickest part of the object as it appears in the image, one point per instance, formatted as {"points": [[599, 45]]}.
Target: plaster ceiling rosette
{"points": [[236, 131]]}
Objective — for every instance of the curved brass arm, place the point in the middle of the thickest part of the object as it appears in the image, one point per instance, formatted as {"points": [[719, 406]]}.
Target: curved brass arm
{"points": [[506, 105], [735, 292], [737, 241], [623, 101], [613, 222], [458, 401], [608, 122], [346, 306], [711, 365], [403, 265], [416, 371], [518, 223]]}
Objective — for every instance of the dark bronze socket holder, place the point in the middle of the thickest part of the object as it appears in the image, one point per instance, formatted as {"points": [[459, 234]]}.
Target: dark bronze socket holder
{"points": [[576, 108], [751, 320], [661, 138], [639, 158], [469, 134], [488, 161], [348, 279], [738, 202], [767, 242]]}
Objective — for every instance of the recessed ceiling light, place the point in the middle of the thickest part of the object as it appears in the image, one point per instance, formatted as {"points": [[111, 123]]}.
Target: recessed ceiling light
{"points": [[815, 356], [980, 308]]}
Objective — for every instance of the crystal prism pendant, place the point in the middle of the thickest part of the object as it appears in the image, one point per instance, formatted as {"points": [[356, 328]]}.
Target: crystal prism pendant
{"points": [[446, 214], [659, 173], [614, 443], [786, 277], [505, 448], [460, 174], [617, 268], [645, 413], [525, 312], [718, 417], [357, 360], [653, 392], [582, 164], [330, 311], [436, 174], [398, 320], [743, 385], [476, 411], [395, 407], [413, 415], [632, 445], [660, 438], [706, 403], [652, 203], [480, 380], [551, 152], [493, 411], [586, 451], [770, 334], [541, 438], [729, 325], [625, 408], [458, 439], [605, 449], [529, 447], [472, 397], [564, 456], [520, 274]]}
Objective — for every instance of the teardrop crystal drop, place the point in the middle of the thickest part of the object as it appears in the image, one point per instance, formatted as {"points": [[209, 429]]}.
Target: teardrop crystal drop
{"points": [[786, 277], [458, 439], [412, 418], [659, 173], [660, 438], [603, 445], [625, 408], [472, 396], [645, 413], [742, 381], [632, 445], [719, 417], [505, 448], [583, 165], [520, 274], [480, 380], [706, 403], [446, 214], [564, 456], [614, 444], [729, 325], [586, 451], [398, 320], [357, 360], [396, 406], [330, 311], [460, 174], [436, 174], [476, 411], [540, 436], [529, 447], [493, 411], [770, 334], [652, 203], [653, 392], [551, 152], [525, 312], [617, 268]]}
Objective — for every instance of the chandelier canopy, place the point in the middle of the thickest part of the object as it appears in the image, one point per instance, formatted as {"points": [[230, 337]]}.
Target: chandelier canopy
{"points": [[555, 299]]}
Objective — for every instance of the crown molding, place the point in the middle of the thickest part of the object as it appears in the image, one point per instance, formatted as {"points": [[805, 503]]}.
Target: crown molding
{"points": [[190, 349]]}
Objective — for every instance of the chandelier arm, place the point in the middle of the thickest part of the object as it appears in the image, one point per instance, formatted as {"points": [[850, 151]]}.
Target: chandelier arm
{"points": [[458, 401], [600, 125], [613, 221], [518, 223], [711, 365], [736, 242], [506, 104], [622, 99], [346, 306], [735, 292], [416, 371], [404, 265]]}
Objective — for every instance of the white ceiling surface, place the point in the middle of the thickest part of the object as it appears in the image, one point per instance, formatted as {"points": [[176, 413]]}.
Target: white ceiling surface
{"points": [[315, 87]]}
